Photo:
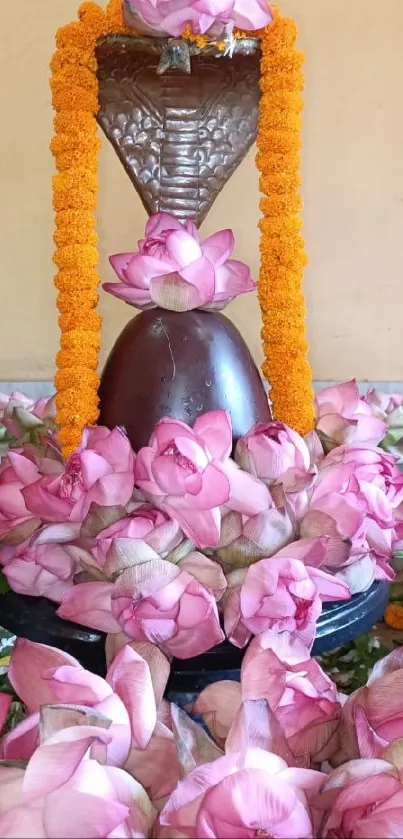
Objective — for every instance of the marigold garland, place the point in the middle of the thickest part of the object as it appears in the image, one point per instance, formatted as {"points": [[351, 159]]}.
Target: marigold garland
{"points": [[393, 616], [75, 147], [281, 246]]}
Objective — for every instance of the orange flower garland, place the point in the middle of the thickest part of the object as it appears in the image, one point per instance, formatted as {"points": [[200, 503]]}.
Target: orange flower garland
{"points": [[283, 259], [393, 616], [75, 147]]}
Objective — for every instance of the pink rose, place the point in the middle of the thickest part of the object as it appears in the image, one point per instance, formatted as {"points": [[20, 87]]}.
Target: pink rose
{"points": [[279, 593], [174, 270], [247, 794], [362, 800], [65, 789], [156, 601], [41, 675], [343, 417], [101, 472], [145, 534], [170, 18], [372, 717], [189, 473], [352, 503]]}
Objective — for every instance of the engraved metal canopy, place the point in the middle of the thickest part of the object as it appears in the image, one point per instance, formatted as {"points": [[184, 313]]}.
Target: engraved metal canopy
{"points": [[179, 136]]}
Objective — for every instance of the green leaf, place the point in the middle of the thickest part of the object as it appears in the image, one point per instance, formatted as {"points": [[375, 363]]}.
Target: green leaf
{"points": [[4, 586], [16, 715], [350, 666]]}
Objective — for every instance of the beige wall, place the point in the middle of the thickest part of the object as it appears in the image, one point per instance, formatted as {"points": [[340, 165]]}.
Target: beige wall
{"points": [[353, 192]]}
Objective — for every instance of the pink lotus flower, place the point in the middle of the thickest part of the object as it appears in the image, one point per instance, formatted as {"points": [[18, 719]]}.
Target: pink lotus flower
{"points": [[65, 791], [17, 471], [174, 270], [152, 760], [164, 18], [389, 408], [274, 452], [14, 399], [43, 409], [157, 662], [39, 570], [377, 482], [372, 717], [278, 668], [218, 705], [343, 417], [195, 747], [256, 726], [157, 767], [5, 704], [352, 504], [386, 406], [246, 539], [101, 472], [42, 675], [23, 417], [188, 472], [177, 744], [9, 405], [279, 593], [145, 534], [281, 458], [315, 448], [158, 602], [362, 800], [245, 794], [367, 465]]}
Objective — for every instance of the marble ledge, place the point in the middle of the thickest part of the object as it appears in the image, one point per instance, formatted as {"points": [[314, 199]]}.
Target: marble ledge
{"points": [[37, 389]]}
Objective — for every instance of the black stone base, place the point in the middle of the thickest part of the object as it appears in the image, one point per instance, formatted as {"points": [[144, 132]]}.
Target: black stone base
{"points": [[35, 618]]}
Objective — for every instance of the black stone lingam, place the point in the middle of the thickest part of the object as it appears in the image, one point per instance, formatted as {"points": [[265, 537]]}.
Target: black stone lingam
{"points": [[180, 365]]}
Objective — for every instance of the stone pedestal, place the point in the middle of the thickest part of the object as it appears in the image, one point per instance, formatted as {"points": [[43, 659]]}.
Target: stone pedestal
{"points": [[35, 618]]}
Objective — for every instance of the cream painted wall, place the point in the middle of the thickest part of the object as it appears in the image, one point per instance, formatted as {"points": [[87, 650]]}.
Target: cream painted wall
{"points": [[353, 192]]}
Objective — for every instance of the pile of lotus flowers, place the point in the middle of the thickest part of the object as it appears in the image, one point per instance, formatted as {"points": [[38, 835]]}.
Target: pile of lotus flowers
{"points": [[278, 754], [180, 544], [169, 550]]}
